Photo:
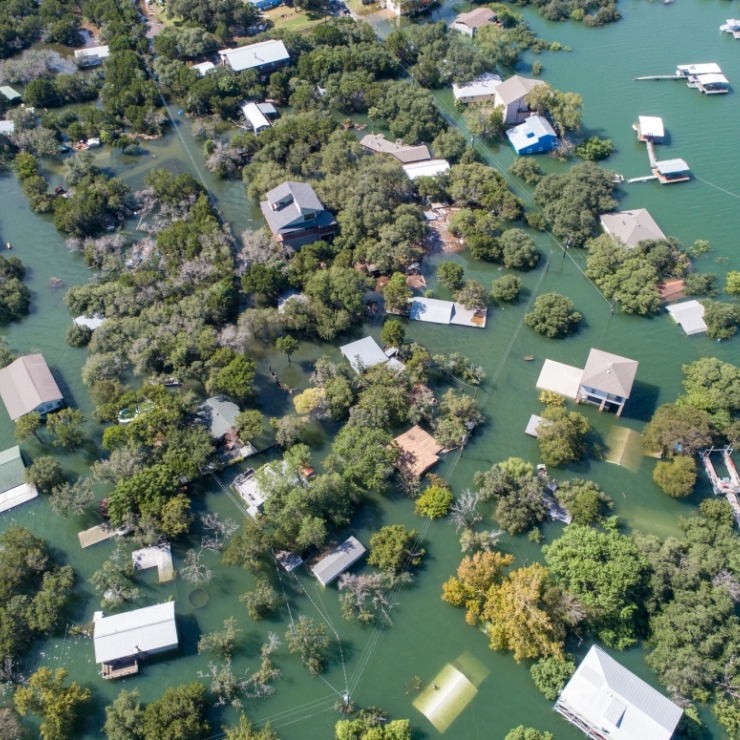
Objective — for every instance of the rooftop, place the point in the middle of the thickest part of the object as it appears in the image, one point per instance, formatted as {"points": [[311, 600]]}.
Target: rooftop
{"points": [[99, 52], [363, 353], [203, 67], [515, 88], [605, 696], [699, 69], [402, 152], [127, 635], [11, 469], [9, 93], [534, 129], [476, 18], [288, 202], [7, 127], [255, 116], [690, 316], [481, 86], [418, 451], [631, 227], [26, 384], [609, 373], [671, 166], [255, 55], [218, 414], [651, 126], [430, 168], [559, 378], [337, 561]]}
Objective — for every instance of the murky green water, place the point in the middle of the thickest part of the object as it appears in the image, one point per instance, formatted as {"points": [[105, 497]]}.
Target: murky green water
{"points": [[427, 634]]}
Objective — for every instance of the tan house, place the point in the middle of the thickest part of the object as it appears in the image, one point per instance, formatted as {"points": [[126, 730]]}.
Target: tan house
{"points": [[510, 95], [417, 452], [469, 23], [607, 380], [631, 227], [404, 153], [27, 385]]}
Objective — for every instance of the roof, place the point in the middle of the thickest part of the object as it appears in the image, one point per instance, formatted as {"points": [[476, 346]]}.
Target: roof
{"points": [[430, 168], [671, 166], [91, 322], [139, 631], [7, 127], [267, 108], [476, 18], [11, 469], [699, 69], [255, 116], [337, 561], [431, 310], [515, 88], [288, 202], [10, 93], [610, 373], [609, 697], [481, 86], [26, 384], [289, 295], [100, 52], [651, 126], [712, 79], [559, 378], [363, 353], [529, 133], [203, 67], [631, 227], [532, 424], [218, 414], [418, 451], [402, 152], [255, 55], [690, 316]]}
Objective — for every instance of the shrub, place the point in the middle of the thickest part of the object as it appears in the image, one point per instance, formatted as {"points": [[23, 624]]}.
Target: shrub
{"points": [[435, 502], [553, 315], [677, 478], [506, 288]]}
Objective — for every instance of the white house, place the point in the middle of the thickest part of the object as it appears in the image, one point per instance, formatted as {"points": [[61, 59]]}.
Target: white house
{"points": [[27, 385], [255, 117], [631, 227], [605, 700], [430, 168], [469, 23], [265, 56], [337, 561], [203, 68], [510, 96], [480, 90], [91, 56]]}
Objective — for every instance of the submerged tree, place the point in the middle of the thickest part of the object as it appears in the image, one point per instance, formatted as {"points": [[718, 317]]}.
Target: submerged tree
{"points": [[366, 597], [221, 642], [308, 640]]}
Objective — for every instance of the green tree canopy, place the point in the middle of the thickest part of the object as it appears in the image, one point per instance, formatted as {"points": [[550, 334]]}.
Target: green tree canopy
{"points": [[553, 315], [178, 715]]}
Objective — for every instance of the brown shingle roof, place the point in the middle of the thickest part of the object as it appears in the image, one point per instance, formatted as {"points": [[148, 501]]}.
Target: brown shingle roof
{"points": [[404, 153], [419, 451], [476, 18], [27, 383], [609, 373], [515, 87]]}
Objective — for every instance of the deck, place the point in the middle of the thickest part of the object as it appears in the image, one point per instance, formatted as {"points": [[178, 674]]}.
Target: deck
{"points": [[97, 534], [119, 669], [159, 557], [727, 487]]}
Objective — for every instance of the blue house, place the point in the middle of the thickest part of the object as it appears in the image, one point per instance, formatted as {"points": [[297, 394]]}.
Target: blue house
{"points": [[265, 4], [533, 136]]}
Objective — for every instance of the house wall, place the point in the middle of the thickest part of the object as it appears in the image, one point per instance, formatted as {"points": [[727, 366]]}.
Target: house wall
{"points": [[309, 236], [546, 144], [462, 28], [44, 408]]}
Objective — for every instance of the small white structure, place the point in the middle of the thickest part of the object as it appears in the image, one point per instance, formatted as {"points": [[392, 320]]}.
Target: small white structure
{"points": [[255, 118], [337, 561], [91, 322], [120, 640], [430, 168], [559, 378], [469, 23], [93, 143], [91, 56], [264, 56], [157, 556], [650, 128], [510, 96], [631, 227], [605, 700], [690, 316], [27, 385], [480, 90], [13, 487], [691, 70], [711, 84], [203, 68], [435, 311], [363, 353], [7, 127]]}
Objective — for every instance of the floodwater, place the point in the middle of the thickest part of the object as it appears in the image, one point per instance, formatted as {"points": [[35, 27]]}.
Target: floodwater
{"points": [[378, 666]]}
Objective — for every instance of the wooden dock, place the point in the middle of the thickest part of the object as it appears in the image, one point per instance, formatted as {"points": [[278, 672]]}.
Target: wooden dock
{"points": [[727, 487], [97, 534], [660, 77], [119, 669]]}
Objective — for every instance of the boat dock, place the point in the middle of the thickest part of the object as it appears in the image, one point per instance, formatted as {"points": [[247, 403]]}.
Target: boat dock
{"points": [[660, 77], [727, 487], [650, 131]]}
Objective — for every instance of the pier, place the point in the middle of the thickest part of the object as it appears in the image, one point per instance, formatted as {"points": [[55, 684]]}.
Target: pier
{"points": [[727, 487], [650, 131], [659, 77]]}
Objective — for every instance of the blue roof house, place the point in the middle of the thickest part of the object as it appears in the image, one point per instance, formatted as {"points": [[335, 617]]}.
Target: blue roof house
{"points": [[533, 136], [265, 4]]}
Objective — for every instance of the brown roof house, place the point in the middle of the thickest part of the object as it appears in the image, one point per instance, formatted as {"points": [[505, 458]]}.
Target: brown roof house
{"points": [[418, 452], [27, 385], [469, 23], [404, 153], [607, 380], [510, 96]]}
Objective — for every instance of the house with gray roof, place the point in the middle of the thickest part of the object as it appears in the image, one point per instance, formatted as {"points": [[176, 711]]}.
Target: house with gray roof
{"points": [[264, 56], [363, 353], [510, 95], [218, 415], [605, 700], [404, 153], [631, 227], [121, 640], [607, 380], [27, 385], [337, 561], [13, 487], [469, 23], [296, 216]]}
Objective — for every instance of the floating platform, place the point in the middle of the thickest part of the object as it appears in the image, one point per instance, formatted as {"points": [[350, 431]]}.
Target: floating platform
{"points": [[98, 534]]}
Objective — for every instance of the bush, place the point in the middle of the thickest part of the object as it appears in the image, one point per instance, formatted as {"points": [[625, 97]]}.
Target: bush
{"points": [[393, 547], [553, 315], [595, 149], [450, 274], [393, 333], [527, 168], [506, 288], [435, 502], [677, 478], [483, 247], [700, 283], [550, 676], [722, 319], [518, 251], [78, 336], [45, 474]]}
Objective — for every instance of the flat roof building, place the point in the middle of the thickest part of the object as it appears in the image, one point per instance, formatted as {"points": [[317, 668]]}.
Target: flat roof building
{"points": [[27, 385], [255, 117], [689, 70], [631, 227], [13, 487], [404, 153], [430, 168], [363, 353], [436, 311], [203, 68], [650, 128], [480, 90], [337, 561], [605, 700], [469, 23], [263, 56], [607, 380], [559, 378], [534, 136], [418, 451], [690, 316]]}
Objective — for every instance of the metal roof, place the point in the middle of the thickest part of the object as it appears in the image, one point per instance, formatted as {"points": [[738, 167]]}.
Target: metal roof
{"points": [[651, 126], [267, 108], [690, 316], [609, 373], [91, 322], [363, 353], [26, 384], [11, 469], [559, 378], [482, 86], [337, 561], [127, 635], [698, 69], [203, 67], [712, 79], [94, 52], [218, 414], [7, 127], [10, 93], [631, 227], [255, 117], [530, 133], [608, 698], [255, 55], [671, 166], [431, 310], [430, 168]]}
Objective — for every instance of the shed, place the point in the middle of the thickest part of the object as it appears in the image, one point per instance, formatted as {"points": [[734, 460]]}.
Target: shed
{"points": [[650, 128], [27, 385], [559, 378], [607, 380], [265, 55], [135, 634], [203, 68], [418, 451], [481, 89], [7, 127], [690, 316], [534, 136], [430, 168], [631, 227], [13, 487], [255, 118], [10, 94], [218, 415], [431, 310], [532, 424], [337, 561], [267, 109], [363, 353], [603, 698]]}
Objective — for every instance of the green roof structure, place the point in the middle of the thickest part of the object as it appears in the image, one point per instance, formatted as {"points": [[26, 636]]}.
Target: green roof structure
{"points": [[11, 469], [10, 94]]}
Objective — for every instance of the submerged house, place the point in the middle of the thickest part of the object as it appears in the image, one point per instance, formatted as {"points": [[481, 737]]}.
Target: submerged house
{"points": [[13, 487], [203, 68], [255, 117], [534, 136], [436, 311], [122, 640], [265, 56], [469, 23], [337, 561], [418, 451], [404, 153], [631, 227], [689, 315], [27, 385], [218, 415], [607, 380], [605, 700], [296, 216], [429, 168], [91, 56], [365, 353], [510, 96]]}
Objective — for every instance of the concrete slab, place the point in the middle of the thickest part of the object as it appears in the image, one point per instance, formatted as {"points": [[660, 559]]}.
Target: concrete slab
{"points": [[559, 378]]}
